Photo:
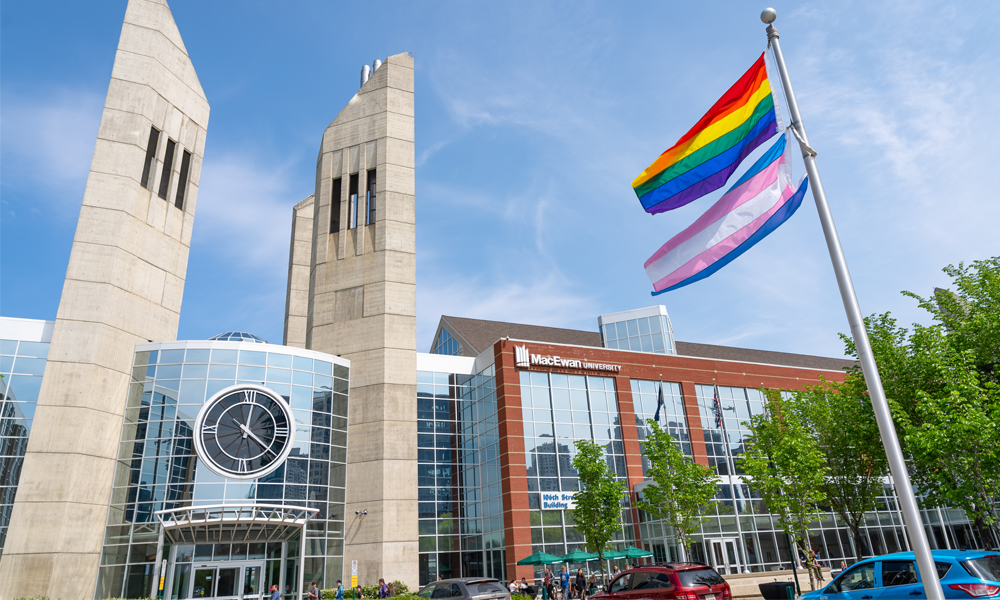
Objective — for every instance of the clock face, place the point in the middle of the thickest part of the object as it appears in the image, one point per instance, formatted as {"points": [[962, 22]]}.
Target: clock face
{"points": [[244, 432]]}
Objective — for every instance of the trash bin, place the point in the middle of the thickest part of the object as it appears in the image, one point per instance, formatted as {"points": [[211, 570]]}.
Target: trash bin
{"points": [[777, 590]]}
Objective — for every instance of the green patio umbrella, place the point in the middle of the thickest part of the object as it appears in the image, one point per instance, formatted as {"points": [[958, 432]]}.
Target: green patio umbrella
{"points": [[540, 558], [614, 555], [579, 556], [633, 552]]}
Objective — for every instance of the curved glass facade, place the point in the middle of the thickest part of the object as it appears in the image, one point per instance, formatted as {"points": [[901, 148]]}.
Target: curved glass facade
{"points": [[158, 469], [22, 363]]}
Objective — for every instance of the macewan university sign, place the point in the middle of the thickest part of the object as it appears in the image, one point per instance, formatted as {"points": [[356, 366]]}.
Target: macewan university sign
{"points": [[523, 359]]}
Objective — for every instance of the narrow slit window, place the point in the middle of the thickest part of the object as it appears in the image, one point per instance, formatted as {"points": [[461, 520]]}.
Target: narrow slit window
{"points": [[371, 197], [335, 205], [182, 184], [168, 168], [352, 193], [149, 164]]}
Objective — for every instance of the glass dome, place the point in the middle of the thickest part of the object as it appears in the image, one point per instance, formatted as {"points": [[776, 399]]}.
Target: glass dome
{"points": [[238, 336]]}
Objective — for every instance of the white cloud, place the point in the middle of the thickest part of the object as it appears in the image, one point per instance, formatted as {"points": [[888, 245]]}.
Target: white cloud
{"points": [[48, 141], [538, 301], [244, 213]]}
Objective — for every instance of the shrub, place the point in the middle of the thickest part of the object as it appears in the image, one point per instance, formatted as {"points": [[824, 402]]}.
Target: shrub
{"points": [[521, 597], [400, 588]]}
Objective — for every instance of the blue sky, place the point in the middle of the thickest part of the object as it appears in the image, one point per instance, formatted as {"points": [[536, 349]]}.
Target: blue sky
{"points": [[532, 120]]}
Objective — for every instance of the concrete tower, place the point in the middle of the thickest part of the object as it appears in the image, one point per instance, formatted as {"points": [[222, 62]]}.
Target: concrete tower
{"points": [[124, 285], [361, 304]]}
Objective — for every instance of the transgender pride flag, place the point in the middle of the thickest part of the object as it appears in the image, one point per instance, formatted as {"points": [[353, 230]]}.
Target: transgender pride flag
{"points": [[755, 206]]}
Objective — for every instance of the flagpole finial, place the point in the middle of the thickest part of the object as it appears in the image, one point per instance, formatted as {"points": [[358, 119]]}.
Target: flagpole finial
{"points": [[768, 15]]}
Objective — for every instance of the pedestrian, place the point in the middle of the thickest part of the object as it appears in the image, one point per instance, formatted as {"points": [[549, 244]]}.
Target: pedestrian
{"points": [[523, 588], [581, 583], [313, 592], [813, 561], [340, 590], [358, 595], [564, 582], [392, 589], [592, 584], [547, 583], [512, 588], [383, 589], [275, 594]]}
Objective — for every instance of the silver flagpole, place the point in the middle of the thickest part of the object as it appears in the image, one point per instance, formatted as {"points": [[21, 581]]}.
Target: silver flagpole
{"points": [[897, 466]]}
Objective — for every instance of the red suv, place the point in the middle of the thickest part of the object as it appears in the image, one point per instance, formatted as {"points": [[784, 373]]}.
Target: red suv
{"points": [[673, 581]]}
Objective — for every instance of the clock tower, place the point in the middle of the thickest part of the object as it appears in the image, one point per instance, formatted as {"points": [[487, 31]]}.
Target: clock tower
{"points": [[352, 293]]}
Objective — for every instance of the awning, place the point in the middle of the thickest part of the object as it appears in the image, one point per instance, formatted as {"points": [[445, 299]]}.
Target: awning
{"points": [[234, 523]]}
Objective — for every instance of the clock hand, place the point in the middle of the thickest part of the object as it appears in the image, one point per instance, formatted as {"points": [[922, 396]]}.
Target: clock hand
{"points": [[266, 448], [242, 427]]}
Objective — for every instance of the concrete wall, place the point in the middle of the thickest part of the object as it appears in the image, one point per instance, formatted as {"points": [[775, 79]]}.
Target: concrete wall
{"points": [[124, 285], [362, 305], [299, 257]]}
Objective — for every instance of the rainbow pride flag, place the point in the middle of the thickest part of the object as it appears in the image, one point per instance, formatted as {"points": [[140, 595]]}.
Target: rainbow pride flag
{"points": [[704, 159], [756, 205]]}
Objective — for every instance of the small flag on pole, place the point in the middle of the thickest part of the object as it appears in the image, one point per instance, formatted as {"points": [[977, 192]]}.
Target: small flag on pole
{"points": [[718, 408], [659, 404], [761, 200], [703, 160]]}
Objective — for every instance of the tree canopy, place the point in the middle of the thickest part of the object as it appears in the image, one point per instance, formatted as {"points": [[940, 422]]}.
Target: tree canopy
{"points": [[599, 502], [678, 489]]}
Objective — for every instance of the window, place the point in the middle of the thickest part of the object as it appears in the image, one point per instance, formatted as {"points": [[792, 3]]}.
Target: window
{"points": [[182, 184], [168, 167], [150, 160], [620, 584], [861, 577], [696, 578], [371, 197], [352, 195], [641, 580], [942, 569], [898, 572], [335, 206]]}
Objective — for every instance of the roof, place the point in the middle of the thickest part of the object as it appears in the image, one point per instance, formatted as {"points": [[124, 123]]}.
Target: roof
{"points": [[477, 335], [767, 357]]}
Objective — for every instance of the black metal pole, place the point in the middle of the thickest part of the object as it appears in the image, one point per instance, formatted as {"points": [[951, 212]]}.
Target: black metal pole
{"points": [[791, 552]]}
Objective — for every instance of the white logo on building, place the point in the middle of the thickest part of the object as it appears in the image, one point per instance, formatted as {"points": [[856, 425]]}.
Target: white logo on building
{"points": [[523, 359]]}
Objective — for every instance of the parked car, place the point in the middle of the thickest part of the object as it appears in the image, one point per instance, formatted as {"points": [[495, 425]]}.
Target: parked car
{"points": [[963, 574], [671, 581], [466, 588]]}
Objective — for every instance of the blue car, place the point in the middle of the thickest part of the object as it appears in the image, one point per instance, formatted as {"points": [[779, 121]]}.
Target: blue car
{"points": [[964, 574]]}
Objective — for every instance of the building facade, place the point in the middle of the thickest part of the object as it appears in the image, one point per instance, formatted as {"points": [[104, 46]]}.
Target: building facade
{"points": [[179, 496], [497, 435]]}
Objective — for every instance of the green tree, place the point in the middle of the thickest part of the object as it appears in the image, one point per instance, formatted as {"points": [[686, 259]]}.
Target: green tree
{"points": [[679, 490], [943, 386], [840, 419], [783, 462], [599, 503]]}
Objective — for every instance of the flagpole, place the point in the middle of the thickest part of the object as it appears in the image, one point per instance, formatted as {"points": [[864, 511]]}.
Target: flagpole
{"points": [[897, 466]]}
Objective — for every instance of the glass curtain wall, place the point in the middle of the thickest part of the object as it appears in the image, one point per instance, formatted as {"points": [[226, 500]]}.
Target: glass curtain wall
{"points": [[738, 513], [22, 364], [460, 496], [643, 334], [645, 397], [557, 410], [157, 467]]}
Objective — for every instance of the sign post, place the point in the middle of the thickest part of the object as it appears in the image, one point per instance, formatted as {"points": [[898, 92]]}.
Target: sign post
{"points": [[354, 575]]}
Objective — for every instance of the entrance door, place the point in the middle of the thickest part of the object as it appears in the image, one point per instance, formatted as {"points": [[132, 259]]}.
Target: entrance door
{"points": [[724, 555], [235, 581]]}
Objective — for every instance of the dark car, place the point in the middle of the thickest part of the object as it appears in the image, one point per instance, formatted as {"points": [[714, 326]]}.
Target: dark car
{"points": [[466, 588], [964, 574], [672, 581]]}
